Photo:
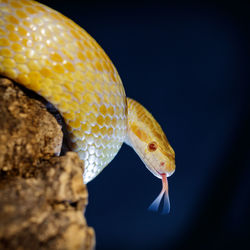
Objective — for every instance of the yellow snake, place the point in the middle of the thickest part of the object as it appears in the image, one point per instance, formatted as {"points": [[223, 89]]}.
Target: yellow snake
{"points": [[48, 53]]}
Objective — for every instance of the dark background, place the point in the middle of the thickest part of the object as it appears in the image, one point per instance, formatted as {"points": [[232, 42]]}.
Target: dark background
{"points": [[188, 63]]}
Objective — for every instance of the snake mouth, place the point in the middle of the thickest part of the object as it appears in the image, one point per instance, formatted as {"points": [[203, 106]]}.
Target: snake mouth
{"points": [[159, 174], [155, 172]]}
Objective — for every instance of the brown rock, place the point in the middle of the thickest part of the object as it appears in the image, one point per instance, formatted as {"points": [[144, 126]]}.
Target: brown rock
{"points": [[28, 132], [42, 196]]}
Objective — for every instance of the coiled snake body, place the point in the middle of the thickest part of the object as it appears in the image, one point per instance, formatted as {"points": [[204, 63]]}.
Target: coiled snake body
{"points": [[51, 55]]}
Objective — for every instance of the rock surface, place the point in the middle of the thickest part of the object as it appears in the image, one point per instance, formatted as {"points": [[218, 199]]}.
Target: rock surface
{"points": [[42, 195]]}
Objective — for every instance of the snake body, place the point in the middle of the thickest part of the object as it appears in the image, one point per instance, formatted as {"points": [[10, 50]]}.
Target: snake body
{"points": [[50, 54]]}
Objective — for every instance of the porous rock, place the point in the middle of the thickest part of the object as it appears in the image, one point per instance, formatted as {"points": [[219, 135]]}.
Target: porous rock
{"points": [[42, 195]]}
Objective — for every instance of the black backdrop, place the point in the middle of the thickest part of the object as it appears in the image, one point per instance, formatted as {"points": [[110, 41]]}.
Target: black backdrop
{"points": [[188, 63]]}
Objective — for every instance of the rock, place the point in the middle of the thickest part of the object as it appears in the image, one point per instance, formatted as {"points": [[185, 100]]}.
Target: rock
{"points": [[28, 132], [43, 197]]}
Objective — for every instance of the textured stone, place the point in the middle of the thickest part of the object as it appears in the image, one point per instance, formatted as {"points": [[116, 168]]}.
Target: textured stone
{"points": [[42, 195], [28, 132]]}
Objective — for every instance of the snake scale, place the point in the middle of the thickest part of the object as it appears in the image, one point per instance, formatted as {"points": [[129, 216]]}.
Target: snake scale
{"points": [[48, 53]]}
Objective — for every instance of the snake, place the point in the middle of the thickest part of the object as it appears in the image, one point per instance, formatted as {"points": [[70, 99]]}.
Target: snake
{"points": [[48, 53]]}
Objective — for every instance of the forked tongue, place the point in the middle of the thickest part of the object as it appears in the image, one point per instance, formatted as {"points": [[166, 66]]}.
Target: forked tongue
{"points": [[164, 192]]}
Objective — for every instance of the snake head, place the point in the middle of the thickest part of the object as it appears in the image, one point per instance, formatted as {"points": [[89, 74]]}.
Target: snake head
{"points": [[147, 138]]}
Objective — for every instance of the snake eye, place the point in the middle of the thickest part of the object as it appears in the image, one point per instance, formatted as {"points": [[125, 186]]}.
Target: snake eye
{"points": [[152, 146]]}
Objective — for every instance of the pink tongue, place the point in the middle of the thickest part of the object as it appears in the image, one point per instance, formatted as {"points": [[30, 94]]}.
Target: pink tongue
{"points": [[164, 192]]}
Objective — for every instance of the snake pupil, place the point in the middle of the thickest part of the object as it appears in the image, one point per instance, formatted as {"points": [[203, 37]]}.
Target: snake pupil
{"points": [[152, 146]]}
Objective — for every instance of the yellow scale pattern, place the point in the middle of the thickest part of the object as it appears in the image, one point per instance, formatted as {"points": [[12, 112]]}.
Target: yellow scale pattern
{"points": [[51, 55]]}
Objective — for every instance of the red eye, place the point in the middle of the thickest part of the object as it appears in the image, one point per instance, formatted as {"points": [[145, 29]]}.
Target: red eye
{"points": [[152, 146]]}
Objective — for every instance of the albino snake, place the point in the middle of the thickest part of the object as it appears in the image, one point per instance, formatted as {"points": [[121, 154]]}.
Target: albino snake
{"points": [[51, 55]]}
